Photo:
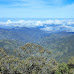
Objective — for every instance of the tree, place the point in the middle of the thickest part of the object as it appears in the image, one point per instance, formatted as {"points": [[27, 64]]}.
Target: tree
{"points": [[62, 69], [30, 49]]}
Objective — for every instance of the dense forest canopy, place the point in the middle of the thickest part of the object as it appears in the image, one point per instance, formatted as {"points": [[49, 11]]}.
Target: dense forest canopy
{"points": [[26, 61]]}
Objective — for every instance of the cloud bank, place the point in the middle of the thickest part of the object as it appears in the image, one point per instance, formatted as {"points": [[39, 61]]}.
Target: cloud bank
{"points": [[46, 25]]}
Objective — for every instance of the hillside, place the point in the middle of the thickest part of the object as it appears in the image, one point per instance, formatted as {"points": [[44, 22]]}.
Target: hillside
{"points": [[61, 44], [9, 45], [22, 34]]}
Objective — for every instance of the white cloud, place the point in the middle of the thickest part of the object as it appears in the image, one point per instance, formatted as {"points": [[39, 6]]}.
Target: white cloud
{"points": [[47, 29], [70, 22], [22, 23], [58, 21], [48, 25]]}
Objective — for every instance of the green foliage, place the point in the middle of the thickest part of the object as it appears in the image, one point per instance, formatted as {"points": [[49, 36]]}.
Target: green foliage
{"points": [[30, 49], [71, 61], [71, 65], [62, 69], [32, 59], [71, 71], [2, 53], [29, 65]]}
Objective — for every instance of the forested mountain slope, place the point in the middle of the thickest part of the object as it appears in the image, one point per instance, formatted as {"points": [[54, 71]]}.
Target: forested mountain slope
{"points": [[9, 45], [22, 34], [61, 44]]}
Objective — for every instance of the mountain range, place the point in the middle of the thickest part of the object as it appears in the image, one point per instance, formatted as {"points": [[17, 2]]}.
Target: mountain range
{"points": [[60, 43]]}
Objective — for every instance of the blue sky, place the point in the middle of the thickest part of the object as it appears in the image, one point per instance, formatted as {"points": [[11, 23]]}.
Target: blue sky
{"points": [[37, 8]]}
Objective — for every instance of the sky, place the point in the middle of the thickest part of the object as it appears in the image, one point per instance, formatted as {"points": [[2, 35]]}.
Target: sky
{"points": [[36, 8]]}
